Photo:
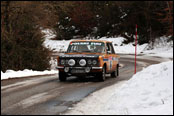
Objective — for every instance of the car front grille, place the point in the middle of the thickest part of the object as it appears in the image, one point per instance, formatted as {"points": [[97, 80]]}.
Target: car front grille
{"points": [[77, 62]]}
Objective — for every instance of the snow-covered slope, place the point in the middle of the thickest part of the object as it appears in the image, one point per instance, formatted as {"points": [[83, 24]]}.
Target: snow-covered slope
{"points": [[57, 45], [62, 45], [162, 48], [121, 48], [147, 92]]}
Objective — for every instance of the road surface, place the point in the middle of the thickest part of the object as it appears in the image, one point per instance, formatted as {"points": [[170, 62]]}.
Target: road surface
{"points": [[46, 95]]}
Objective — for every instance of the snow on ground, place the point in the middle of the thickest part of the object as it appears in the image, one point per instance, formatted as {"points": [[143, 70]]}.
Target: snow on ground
{"points": [[57, 45], [25, 73], [162, 48], [150, 91], [62, 45], [119, 47], [48, 34], [165, 52], [54, 45]]}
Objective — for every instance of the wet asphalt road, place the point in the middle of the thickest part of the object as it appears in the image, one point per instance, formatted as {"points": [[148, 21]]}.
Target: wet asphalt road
{"points": [[46, 95]]}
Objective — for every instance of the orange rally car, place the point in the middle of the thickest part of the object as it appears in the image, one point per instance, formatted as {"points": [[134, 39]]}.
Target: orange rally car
{"points": [[88, 57]]}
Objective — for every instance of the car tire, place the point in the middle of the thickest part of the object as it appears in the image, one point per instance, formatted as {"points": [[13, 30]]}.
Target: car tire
{"points": [[115, 73], [118, 70], [102, 75], [62, 76]]}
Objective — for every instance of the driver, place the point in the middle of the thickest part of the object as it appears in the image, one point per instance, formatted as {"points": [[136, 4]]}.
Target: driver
{"points": [[83, 48], [99, 49]]}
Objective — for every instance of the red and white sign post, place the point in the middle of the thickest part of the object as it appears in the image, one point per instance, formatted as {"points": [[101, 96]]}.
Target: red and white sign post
{"points": [[135, 47]]}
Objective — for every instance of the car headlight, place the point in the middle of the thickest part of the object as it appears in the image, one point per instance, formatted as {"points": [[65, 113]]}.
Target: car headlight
{"points": [[94, 62], [62, 62], [89, 62], [71, 62], [82, 62]]}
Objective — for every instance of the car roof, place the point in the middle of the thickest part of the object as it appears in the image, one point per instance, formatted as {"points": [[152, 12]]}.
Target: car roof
{"points": [[91, 41]]}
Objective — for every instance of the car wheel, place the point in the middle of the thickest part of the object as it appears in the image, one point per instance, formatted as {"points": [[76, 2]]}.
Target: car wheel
{"points": [[116, 72], [62, 76], [102, 75]]}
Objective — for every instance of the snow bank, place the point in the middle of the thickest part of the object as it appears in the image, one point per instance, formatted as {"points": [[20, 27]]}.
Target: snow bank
{"points": [[25, 73], [57, 45], [121, 48], [116, 41], [54, 45], [162, 48], [147, 92], [48, 33], [165, 52]]}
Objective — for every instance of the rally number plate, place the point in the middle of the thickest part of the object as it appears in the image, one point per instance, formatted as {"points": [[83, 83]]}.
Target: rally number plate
{"points": [[77, 71]]}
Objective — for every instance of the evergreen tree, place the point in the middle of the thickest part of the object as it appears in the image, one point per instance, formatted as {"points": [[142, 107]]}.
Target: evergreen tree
{"points": [[21, 38]]}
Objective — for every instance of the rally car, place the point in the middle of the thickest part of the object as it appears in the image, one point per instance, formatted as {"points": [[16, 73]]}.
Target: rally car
{"points": [[88, 57]]}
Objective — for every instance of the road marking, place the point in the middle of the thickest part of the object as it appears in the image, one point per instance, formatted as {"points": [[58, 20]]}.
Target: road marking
{"points": [[23, 84], [35, 99], [38, 98], [16, 84]]}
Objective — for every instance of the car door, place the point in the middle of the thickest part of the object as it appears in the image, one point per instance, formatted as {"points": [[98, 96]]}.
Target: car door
{"points": [[109, 56], [114, 57]]}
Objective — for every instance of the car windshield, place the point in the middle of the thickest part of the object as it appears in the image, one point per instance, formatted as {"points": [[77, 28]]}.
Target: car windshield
{"points": [[91, 47]]}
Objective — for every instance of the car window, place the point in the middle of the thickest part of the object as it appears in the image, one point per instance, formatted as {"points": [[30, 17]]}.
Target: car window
{"points": [[108, 48], [93, 47], [112, 49]]}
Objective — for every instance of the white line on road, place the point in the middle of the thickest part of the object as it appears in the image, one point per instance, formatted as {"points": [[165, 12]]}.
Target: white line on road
{"points": [[25, 83]]}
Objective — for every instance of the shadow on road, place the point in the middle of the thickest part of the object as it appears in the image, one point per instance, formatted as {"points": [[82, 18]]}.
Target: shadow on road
{"points": [[75, 79]]}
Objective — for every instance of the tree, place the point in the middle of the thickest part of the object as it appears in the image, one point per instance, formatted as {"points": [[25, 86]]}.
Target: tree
{"points": [[83, 18], [21, 38], [167, 17]]}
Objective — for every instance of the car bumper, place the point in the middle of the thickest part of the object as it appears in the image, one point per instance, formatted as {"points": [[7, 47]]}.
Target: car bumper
{"points": [[60, 67], [73, 70]]}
